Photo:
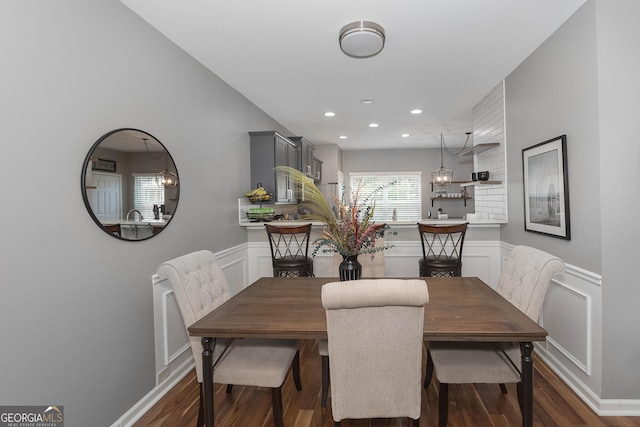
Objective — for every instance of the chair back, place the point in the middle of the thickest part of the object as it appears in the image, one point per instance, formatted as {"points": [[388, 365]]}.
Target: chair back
{"points": [[442, 249], [199, 286], [375, 334], [525, 278], [288, 242]]}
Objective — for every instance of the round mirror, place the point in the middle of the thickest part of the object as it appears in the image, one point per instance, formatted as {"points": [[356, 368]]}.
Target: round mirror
{"points": [[130, 184]]}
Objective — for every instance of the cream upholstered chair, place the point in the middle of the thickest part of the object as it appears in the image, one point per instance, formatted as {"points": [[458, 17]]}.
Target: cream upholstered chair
{"points": [[371, 268], [375, 335], [199, 287], [524, 281]]}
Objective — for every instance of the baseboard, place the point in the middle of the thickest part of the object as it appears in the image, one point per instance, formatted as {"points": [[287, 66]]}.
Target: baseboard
{"points": [[602, 407], [151, 398]]}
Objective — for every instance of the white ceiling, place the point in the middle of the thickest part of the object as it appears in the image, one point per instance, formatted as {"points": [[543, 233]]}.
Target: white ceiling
{"points": [[442, 56]]}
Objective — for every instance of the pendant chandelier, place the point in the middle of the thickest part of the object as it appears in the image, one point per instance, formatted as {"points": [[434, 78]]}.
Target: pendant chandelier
{"points": [[442, 176], [166, 178]]}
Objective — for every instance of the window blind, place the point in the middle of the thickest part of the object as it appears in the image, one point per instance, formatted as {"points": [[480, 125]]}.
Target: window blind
{"points": [[389, 191], [146, 193]]}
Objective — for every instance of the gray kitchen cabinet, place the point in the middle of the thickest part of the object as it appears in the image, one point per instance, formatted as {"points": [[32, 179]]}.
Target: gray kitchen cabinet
{"points": [[316, 170], [269, 149], [305, 155]]}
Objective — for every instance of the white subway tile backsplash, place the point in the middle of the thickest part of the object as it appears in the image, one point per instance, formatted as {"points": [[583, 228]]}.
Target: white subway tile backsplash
{"points": [[488, 126]]}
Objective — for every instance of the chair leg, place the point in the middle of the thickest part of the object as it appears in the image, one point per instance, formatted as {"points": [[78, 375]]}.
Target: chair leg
{"points": [[296, 371], [276, 397], [443, 405], [429, 374], [415, 423], [337, 423], [229, 388], [325, 380], [503, 388], [200, 422]]}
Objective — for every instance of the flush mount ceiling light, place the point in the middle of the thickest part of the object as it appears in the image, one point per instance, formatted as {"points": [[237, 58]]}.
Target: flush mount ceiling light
{"points": [[361, 39]]}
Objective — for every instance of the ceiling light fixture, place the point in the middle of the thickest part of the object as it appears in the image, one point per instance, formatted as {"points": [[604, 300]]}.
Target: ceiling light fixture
{"points": [[367, 101], [361, 39], [166, 178], [442, 176], [373, 125], [405, 135], [342, 137], [329, 114], [416, 111]]}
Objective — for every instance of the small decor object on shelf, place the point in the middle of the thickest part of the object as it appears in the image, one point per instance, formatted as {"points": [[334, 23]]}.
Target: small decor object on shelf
{"points": [[483, 176], [349, 227]]}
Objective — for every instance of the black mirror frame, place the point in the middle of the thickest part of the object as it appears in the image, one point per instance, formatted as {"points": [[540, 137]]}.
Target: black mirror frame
{"points": [[83, 187]]}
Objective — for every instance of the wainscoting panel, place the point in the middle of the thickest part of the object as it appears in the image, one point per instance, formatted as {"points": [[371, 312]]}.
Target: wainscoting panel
{"points": [[480, 258], [566, 313]]}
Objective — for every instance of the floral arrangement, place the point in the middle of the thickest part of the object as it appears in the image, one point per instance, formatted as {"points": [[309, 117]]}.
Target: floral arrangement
{"points": [[349, 228]]}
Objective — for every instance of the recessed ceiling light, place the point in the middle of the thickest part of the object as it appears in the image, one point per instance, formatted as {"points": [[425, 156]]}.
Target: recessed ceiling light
{"points": [[416, 111], [329, 114], [367, 101], [405, 135], [342, 137], [373, 125]]}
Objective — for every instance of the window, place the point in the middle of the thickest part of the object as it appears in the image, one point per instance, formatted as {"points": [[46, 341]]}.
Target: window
{"points": [[146, 193], [404, 195]]}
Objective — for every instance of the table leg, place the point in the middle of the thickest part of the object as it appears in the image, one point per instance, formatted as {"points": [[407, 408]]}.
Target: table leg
{"points": [[207, 379], [526, 348]]}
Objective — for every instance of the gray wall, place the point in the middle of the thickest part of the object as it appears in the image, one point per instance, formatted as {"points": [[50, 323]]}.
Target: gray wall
{"points": [[619, 93], [583, 82], [76, 321], [413, 160]]}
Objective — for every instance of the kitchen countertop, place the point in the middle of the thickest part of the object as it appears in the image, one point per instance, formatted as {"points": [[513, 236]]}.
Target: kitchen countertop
{"points": [[393, 224]]}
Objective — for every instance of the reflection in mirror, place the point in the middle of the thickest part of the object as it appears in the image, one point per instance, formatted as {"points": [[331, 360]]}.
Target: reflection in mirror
{"points": [[130, 184]]}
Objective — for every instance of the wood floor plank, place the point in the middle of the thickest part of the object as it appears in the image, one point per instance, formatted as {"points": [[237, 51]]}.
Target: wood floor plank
{"points": [[479, 405]]}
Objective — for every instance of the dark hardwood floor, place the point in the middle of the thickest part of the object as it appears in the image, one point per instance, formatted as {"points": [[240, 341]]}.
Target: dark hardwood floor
{"points": [[480, 405]]}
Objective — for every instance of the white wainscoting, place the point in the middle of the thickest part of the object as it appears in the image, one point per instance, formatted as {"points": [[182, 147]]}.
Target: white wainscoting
{"points": [[480, 258]]}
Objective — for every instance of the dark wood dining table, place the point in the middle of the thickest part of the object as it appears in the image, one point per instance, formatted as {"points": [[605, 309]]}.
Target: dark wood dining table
{"points": [[459, 309]]}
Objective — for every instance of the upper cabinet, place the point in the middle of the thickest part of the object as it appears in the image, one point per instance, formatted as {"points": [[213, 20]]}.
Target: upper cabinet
{"points": [[305, 164], [269, 149]]}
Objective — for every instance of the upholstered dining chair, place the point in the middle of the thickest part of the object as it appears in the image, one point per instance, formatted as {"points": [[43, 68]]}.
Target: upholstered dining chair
{"points": [[524, 281], [290, 250], [441, 249], [371, 268], [199, 287], [375, 335]]}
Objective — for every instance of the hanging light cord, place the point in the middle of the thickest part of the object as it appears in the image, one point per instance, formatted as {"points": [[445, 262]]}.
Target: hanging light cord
{"points": [[449, 151], [149, 152]]}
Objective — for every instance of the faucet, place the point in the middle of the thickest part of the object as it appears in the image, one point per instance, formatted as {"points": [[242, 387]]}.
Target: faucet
{"points": [[134, 210]]}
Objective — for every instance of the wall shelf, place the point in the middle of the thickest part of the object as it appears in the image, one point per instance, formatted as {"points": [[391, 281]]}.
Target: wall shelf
{"points": [[479, 148], [473, 183]]}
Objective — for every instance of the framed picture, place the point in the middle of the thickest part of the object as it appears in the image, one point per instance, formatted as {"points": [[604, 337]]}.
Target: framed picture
{"points": [[546, 188], [103, 165]]}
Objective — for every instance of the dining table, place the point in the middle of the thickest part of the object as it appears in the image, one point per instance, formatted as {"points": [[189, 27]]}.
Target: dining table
{"points": [[459, 309]]}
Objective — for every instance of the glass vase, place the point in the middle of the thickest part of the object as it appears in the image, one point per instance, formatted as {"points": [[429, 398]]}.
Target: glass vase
{"points": [[350, 268]]}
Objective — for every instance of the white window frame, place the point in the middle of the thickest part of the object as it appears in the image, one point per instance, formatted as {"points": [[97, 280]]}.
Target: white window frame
{"points": [[154, 194], [406, 210]]}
